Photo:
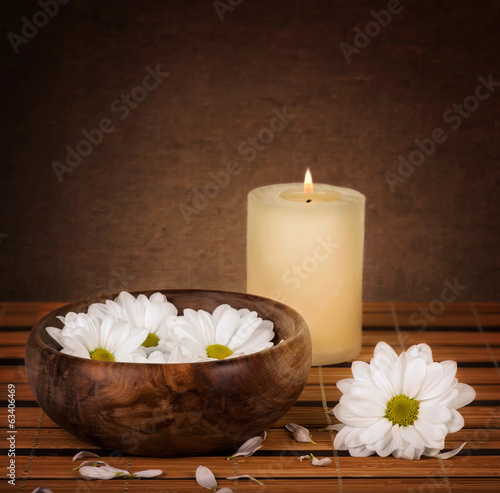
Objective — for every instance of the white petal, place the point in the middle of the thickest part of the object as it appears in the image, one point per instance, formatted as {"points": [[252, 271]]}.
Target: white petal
{"points": [[84, 455], [446, 381], [300, 433], [347, 417], [420, 351], [326, 461], [360, 452], [92, 463], [54, 333], [303, 457], [385, 446], [362, 406], [249, 447], [408, 453], [433, 434], [153, 316], [376, 431], [456, 421], [411, 436], [466, 394], [339, 441], [433, 376], [42, 489], [414, 376], [434, 414], [156, 357], [227, 325], [127, 302], [104, 472], [361, 372], [100, 310], [149, 473], [384, 357], [353, 440], [345, 385], [75, 348], [205, 478], [224, 490], [158, 297], [451, 453], [398, 374]]}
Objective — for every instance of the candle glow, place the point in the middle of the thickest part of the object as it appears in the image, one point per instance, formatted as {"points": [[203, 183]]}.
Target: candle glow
{"points": [[308, 183], [305, 249]]}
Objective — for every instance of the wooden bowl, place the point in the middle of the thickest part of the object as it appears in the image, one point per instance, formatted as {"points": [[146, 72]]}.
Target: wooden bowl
{"points": [[172, 410]]}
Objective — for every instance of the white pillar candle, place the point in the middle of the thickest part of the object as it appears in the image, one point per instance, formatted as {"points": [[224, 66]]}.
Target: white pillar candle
{"points": [[305, 249]]}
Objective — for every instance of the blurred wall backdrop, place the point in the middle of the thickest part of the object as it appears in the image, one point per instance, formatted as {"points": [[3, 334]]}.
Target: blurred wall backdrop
{"points": [[397, 99]]}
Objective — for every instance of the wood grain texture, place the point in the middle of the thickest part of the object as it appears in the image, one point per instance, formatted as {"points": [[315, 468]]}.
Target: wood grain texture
{"points": [[118, 211], [173, 410]]}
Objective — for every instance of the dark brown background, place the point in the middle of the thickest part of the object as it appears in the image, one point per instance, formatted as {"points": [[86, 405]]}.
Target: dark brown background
{"points": [[118, 212]]}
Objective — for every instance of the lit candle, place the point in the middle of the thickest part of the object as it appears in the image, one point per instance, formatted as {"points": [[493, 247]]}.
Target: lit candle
{"points": [[305, 248]]}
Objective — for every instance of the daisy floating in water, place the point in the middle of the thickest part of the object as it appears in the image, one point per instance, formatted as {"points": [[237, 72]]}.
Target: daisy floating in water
{"points": [[226, 333], [102, 340], [148, 330]]}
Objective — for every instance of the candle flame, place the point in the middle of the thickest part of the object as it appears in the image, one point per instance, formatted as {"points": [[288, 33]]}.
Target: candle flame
{"points": [[308, 182]]}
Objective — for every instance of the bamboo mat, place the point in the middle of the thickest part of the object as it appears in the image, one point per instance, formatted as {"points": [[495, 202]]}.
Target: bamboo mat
{"points": [[467, 333]]}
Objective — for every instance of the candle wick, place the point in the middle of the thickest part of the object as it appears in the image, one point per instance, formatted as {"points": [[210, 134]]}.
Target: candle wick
{"points": [[309, 200]]}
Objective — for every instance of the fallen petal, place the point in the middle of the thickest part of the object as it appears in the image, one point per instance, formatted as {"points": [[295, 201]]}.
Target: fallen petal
{"points": [[205, 478], [245, 476], [224, 490], [84, 455], [104, 472], [300, 433], [451, 453], [303, 457], [91, 463], [42, 489], [249, 447], [149, 473], [321, 462]]}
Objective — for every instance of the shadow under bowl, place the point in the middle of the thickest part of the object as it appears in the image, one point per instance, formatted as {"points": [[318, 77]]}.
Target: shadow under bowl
{"points": [[172, 410]]}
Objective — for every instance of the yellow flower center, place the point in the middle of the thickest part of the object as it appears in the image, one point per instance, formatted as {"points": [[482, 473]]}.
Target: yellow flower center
{"points": [[218, 351], [152, 340], [101, 354], [401, 410]]}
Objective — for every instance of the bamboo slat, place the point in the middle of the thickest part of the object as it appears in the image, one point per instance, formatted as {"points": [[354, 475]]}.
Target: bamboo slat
{"points": [[464, 332]]}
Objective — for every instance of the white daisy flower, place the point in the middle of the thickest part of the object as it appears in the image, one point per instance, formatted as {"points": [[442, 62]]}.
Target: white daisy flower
{"points": [[404, 406], [175, 354], [106, 340], [225, 333], [152, 314]]}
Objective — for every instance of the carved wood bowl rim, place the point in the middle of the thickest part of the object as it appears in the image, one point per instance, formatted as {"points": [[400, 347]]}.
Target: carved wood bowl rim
{"points": [[50, 344], [260, 387]]}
